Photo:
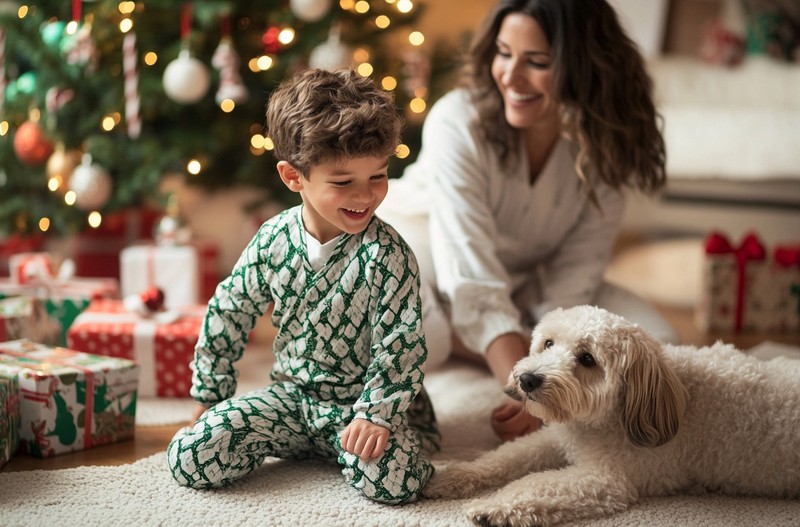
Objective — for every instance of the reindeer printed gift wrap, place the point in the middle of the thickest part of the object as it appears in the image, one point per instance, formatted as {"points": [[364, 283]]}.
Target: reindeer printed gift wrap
{"points": [[70, 400], [26, 317], [9, 416], [63, 299]]}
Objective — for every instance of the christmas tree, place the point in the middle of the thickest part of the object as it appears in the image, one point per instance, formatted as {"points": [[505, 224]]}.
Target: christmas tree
{"points": [[100, 100]]}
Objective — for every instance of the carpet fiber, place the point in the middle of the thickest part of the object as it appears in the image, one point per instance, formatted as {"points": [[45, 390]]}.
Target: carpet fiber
{"points": [[314, 493]]}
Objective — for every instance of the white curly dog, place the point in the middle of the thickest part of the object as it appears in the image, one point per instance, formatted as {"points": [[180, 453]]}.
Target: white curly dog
{"points": [[627, 416]]}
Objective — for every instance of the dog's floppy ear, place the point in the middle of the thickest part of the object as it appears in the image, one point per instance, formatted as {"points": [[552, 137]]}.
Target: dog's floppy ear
{"points": [[654, 399]]}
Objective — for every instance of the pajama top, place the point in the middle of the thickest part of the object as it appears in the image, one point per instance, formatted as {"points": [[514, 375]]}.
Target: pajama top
{"points": [[494, 236], [349, 333]]}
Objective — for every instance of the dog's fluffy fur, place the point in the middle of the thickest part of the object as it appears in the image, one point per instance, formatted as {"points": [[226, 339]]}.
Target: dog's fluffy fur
{"points": [[626, 416]]}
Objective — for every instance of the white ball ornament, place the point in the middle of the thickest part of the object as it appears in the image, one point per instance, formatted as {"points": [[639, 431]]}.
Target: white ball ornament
{"points": [[331, 55], [186, 79], [91, 184], [310, 10]]}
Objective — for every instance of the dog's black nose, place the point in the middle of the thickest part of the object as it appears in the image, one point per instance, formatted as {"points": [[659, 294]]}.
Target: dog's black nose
{"points": [[529, 382]]}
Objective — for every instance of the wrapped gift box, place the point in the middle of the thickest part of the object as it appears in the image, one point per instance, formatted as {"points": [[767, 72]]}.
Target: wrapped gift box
{"points": [[785, 282], [97, 251], [27, 267], [26, 317], [187, 274], [63, 300], [70, 400], [746, 289], [163, 348], [9, 416], [16, 244]]}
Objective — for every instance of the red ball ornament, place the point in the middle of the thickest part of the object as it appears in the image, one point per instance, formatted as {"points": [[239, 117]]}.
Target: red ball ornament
{"points": [[31, 145], [270, 40], [153, 298]]}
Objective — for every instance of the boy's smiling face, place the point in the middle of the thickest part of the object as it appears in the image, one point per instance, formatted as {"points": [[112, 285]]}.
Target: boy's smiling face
{"points": [[340, 196]]}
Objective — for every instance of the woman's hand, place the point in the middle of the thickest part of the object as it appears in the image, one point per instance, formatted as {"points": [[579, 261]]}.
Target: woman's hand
{"points": [[510, 421], [364, 439]]}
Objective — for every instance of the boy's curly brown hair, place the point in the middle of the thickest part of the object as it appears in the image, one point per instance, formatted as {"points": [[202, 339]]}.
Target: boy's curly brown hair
{"points": [[320, 116]]}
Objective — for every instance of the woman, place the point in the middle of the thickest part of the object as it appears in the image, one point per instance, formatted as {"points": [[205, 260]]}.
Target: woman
{"points": [[516, 198]]}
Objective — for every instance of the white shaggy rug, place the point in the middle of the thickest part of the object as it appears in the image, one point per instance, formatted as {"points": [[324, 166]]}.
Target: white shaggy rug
{"points": [[314, 494]]}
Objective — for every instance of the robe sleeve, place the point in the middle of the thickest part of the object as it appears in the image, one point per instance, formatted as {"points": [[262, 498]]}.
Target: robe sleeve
{"points": [[469, 273], [238, 302], [398, 351]]}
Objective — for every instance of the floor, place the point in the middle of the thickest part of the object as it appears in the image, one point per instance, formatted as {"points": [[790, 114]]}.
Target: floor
{"points": [[676, 309], [150, 440]]}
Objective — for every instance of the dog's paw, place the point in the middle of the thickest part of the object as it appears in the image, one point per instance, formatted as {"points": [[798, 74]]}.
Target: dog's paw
{"points": [[487, 513], [454, 481]]}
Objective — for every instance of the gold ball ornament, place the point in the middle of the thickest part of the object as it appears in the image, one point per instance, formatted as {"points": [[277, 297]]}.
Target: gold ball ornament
{"points": [[61, 165], [31, 146]]}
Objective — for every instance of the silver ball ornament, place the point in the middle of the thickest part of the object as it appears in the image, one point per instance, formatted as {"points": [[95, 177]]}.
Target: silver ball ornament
{"points": [[186, 79], [310, 10], [331, 55], [91, 184]]}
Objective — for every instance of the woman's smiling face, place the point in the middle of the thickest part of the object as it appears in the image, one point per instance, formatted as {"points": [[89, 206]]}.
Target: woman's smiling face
{"points": [[523, 71]]}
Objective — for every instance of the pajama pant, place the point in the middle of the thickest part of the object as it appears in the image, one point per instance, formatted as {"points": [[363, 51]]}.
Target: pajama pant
{"points": [[232, 439]]}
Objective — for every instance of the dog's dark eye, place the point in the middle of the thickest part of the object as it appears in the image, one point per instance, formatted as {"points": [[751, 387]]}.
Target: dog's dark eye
{"points": [[548, 344], [587, 360]]}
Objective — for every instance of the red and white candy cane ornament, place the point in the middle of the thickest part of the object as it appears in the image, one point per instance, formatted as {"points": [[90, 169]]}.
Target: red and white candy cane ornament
{"points": [[131, 74], [55, 99], [80, 48]]}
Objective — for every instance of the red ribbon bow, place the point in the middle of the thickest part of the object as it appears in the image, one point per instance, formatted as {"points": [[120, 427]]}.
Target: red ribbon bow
{"points": [[787, 256], [34, 267], [751, 248]]}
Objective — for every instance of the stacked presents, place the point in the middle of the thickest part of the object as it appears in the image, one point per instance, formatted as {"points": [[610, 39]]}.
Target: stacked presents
{"points": [[75, 353], [748, 287], [56, 400]]}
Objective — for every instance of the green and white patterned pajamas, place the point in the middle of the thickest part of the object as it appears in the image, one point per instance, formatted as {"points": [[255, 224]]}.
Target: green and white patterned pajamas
{"points": [[349, 345]]}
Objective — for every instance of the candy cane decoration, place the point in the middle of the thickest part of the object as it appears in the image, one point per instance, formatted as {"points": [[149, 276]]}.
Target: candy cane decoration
{"points": [[81, 49], [55, 98], [131, 86]]}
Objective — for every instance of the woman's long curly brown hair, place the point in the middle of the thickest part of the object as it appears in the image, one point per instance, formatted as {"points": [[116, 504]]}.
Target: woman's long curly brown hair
{"points": [[600, 79]]}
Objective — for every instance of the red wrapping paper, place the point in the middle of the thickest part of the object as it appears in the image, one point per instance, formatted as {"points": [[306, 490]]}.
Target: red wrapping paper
{"points": [[162, 350]]}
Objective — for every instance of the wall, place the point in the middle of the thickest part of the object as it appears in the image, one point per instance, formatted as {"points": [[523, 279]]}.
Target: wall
{"points": [[672, 25], [449, 20]]}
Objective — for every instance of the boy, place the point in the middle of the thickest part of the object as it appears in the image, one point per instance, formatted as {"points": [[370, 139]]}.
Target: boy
{"points": [[347, 383]]}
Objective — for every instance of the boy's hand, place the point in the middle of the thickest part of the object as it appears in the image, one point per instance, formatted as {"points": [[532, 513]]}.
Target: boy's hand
{"points": [[364, 439], [197, 412]]}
